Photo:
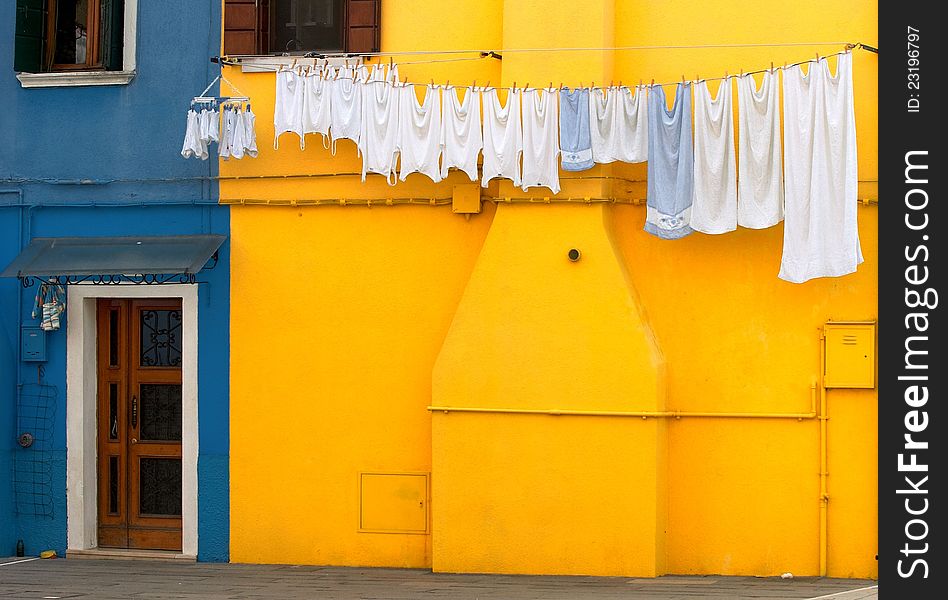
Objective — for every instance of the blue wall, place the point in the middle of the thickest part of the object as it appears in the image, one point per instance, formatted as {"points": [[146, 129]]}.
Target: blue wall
{"points": [[124, 143]]}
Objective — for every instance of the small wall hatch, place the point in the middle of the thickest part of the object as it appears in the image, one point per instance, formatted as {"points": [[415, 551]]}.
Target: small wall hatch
{"points": [[393, 502], [850, 354]]}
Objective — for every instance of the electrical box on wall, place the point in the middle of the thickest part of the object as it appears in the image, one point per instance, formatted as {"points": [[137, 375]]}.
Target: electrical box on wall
{"points": [[32, 344], [850, 353]]}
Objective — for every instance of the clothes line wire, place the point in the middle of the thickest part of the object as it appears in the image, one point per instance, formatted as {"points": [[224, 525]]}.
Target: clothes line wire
{"points": [[849, 48], [574, 49]]}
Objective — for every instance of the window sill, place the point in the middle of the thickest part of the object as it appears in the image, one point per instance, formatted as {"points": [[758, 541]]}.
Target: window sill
{"points": [[74, 78]]}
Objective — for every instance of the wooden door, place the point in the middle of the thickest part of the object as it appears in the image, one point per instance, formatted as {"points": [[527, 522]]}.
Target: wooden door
{"points": [[139, 423]]}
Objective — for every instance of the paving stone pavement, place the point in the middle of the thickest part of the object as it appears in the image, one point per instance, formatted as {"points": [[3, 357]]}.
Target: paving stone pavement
{"points": [[141, 580]]}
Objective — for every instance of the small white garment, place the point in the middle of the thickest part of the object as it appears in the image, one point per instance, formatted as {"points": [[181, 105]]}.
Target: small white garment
{"points": [[541, 145], [419, 132], [503, 137], [250, 132], [378, 137], [228, 125], [192, 145], [714, 208], [238, 143], [288, 106], [760, 171], [209, 126], [618, 124], [317, 99], [346, 105], [820, 236], [461, 138]]}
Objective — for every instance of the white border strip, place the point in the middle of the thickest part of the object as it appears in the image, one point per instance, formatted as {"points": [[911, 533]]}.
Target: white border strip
{"points": [[842, 594], [16, 562]]}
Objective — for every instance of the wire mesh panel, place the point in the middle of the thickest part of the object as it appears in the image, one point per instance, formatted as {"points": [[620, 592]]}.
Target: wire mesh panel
{"points": [[33, 460]]}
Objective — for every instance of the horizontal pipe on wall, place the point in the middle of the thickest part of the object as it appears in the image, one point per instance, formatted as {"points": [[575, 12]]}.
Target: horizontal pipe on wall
{"points": [[643, 414]]}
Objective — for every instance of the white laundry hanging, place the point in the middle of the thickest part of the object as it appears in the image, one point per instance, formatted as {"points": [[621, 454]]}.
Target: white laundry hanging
{"points": [[192, 145], [618, 124], [288, 106], [503, 137], [541, 146], [821, 236], [670, 164], [760, 166], [378, 137], [714, 208], [317, 102], [346, 105], [419, 132], [461, 138]]}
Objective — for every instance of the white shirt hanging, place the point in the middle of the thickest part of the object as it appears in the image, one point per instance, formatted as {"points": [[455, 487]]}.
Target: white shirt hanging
{"points": [[317, 99], [618, 124], [288, 106], [419, 132], [503, 137], [346, 105], [238, 144], [714, 209], [250, 132], [760, 166], [192, 145], [541, 146], [228, 124], [461, 138], [821, 236], [378, 138]]}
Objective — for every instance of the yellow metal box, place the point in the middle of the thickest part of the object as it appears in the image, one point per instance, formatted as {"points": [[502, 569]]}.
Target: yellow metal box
{"points": [[466, 199], [850, 355], [393, 502]]}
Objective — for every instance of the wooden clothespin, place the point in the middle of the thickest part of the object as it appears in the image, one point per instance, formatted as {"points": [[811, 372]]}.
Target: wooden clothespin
{"points": [[771, 66], [640, 83], [474, 84], [611, 82], [551, 86], [432, 81], [653, 81]]}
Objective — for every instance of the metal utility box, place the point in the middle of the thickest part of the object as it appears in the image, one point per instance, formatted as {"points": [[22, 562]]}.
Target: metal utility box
{"points": [[466, 199], [32, 344], [393, 502], [850, 354]]}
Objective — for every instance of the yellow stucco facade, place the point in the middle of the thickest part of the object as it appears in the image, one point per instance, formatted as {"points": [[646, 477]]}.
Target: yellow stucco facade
{"points": [[545, 415]]}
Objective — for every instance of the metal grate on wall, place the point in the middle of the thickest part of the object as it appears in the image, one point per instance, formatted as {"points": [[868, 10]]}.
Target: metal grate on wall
{"points": [[33, 459]]}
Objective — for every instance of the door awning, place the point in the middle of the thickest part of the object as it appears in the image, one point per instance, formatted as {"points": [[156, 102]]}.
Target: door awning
{"points": [[103, 260]]}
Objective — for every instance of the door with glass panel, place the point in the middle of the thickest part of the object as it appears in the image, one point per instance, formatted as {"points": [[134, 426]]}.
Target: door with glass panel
{"points": [[139, 423]]}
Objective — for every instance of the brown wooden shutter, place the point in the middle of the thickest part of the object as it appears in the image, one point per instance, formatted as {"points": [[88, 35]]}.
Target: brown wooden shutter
{"points": [[246, 26], [363, 25]]}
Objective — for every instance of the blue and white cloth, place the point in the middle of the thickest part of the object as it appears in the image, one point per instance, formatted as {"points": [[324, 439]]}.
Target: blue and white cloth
{"points": [[670, 164]]}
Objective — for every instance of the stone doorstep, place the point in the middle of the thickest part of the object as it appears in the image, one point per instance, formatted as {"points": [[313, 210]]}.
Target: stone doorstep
{"points": [[130, 554]]}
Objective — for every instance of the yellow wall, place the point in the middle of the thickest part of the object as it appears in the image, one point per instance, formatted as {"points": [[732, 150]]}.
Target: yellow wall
{"points": [[348, 322]]}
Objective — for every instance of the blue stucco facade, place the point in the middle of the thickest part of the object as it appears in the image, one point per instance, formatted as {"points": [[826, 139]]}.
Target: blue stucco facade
{"points": [[105, 161]]}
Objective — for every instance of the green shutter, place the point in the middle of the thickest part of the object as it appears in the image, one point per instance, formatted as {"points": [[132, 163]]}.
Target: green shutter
{"points": [[28, 41], [112, 33]]}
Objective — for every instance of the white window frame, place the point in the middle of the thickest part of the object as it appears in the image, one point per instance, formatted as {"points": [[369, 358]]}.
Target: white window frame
{"points": [[83, 78], [81, 387]]}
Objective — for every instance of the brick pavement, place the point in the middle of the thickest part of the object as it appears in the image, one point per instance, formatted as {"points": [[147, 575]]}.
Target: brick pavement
{"points": [[141, 580]]}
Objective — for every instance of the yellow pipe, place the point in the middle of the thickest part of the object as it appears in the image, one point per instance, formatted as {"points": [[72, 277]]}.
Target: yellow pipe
{"points": [[643, 414], [824, 497]]}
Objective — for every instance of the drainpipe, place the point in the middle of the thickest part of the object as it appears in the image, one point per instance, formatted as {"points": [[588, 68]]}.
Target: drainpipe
{"points": [[824, 497]]}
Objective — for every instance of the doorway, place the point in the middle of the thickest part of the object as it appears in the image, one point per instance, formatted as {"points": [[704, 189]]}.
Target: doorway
{"points": [[139, 356]]}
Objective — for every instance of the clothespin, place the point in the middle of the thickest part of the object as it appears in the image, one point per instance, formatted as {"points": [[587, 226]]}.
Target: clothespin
{"points": [[561, 84], [514, 86], [432, 81], [771, 66], [551, 85], [817, 57], [611, 82], [653, 81], [640, 83], [474, 84]]}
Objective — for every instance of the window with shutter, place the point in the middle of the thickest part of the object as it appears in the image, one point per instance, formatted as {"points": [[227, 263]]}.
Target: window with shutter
{"points": [[69, 35], [296, 26]]}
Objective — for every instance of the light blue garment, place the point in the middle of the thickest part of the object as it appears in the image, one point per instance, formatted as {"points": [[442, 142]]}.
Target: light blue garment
{"points": [[575, 142], [670, 164]]}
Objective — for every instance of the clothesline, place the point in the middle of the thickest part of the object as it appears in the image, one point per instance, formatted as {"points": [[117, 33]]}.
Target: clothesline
{"points": [[551, 87], [584, 49]]}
